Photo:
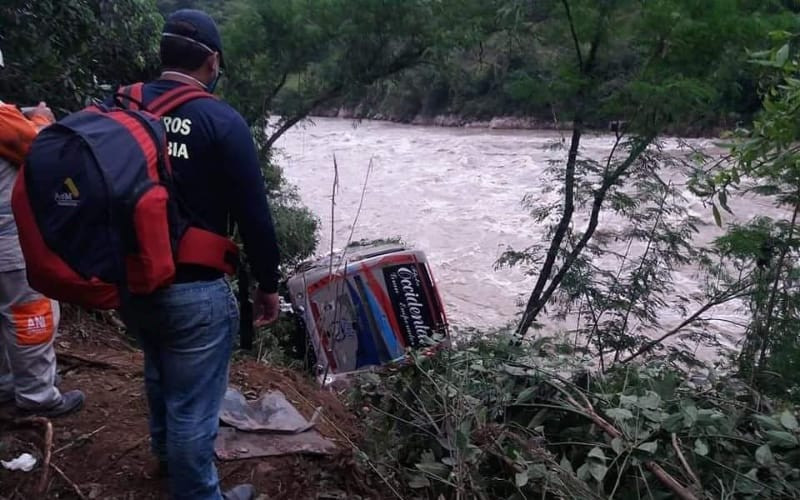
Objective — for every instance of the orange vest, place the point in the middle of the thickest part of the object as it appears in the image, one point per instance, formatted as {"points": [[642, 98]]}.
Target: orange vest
{"points": [[17, 133]]}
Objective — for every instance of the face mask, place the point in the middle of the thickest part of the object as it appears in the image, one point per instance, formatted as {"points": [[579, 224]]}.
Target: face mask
{"points": [[213, 85]]}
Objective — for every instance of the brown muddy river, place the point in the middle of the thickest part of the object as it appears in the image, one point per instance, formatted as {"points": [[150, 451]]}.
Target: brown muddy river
{"points": [[457, 195]]}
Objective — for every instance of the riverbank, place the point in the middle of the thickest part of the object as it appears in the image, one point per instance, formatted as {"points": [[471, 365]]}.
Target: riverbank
{"points": [[103, 450], [538, 419], [503, 122]]}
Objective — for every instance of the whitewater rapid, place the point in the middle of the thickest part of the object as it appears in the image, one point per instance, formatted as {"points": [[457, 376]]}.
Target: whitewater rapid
{"points": [[456, 194]]}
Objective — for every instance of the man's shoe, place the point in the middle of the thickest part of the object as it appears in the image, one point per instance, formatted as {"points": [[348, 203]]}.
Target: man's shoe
{"points": [[241, 492], [8, 398], [71, 402]]}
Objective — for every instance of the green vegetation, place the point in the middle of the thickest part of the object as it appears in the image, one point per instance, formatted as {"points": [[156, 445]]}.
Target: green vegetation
{"points": [[766, 163], [616, 412], [623, 409], [67, 51], [494, 420], [518, 62]]}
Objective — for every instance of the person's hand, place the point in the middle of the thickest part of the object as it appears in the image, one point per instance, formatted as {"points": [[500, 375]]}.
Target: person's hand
{"points": [[40, 111], [266, 307]]}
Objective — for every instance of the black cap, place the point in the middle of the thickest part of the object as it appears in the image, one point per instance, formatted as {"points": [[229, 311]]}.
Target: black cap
{"points": [[197, 26]]}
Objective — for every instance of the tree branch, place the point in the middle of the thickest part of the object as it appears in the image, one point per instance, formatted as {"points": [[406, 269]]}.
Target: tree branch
{"points": [[676, 446], [274, 92], [650, 238], [537, 300], [594, 218], [69, 481], [290, 122], [774, 292], [666, 479], [407, 59], [535, 306], [532, 308], [575, 40], [47, 446], [719, 299]]}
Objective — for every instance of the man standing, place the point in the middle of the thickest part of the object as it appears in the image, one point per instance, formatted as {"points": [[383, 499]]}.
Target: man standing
{"points": [[187, 330], [28, 320]]}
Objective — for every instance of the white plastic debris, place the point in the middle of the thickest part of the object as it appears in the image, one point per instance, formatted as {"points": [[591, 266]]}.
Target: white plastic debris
{"points": [[24, 462]]}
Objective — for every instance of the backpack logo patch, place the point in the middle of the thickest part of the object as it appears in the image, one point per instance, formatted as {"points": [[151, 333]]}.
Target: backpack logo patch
{"points": [[69, 196]]}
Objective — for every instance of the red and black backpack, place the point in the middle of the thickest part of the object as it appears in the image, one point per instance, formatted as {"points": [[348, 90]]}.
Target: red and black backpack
{"points": [[96, 209]]}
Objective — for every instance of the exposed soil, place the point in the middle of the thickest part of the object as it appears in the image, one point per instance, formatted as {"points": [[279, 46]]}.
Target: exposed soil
{"points": [[104, 449]]}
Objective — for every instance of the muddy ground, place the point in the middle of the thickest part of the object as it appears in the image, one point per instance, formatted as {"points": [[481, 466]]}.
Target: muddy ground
{"points": [[104, 449]]}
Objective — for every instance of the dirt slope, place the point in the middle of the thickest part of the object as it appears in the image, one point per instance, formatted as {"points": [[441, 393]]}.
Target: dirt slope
{"points": [[104, 449]]}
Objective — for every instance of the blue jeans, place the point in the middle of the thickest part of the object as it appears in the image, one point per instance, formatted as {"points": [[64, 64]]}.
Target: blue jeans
{"points": [[186, 332]]}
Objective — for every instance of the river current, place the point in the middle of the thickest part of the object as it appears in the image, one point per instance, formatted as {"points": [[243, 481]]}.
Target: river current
{"points": [[456, 194]]}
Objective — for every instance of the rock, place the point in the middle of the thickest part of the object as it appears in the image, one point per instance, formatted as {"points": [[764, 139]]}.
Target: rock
{"points": [[477, 124], [263, 469], [95, 490], [448, 121], [512, 122], [345, 113], [421, 120]]}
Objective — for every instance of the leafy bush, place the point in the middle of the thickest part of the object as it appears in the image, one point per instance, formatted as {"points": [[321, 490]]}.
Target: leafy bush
{"points": [[67, 51], [493, 419], [764, 161]]}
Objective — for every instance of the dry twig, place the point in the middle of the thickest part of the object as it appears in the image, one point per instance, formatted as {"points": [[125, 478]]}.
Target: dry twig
{"points": [[87, 361], [69, 481], [666, 479], [353, 445], [677, 447], [47, 445], [82, 437]]}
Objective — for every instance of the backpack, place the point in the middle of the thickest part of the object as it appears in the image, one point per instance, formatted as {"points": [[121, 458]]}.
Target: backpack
{"points": [[97, 213]]}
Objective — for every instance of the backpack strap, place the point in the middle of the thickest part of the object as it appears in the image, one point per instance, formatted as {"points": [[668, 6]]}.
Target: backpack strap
{"points": [[206, 248], [175, 98], [131, 96], [197, 246]]}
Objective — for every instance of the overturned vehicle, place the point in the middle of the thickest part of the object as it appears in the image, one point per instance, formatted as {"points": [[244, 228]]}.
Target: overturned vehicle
{"points": [[366, 307]]}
